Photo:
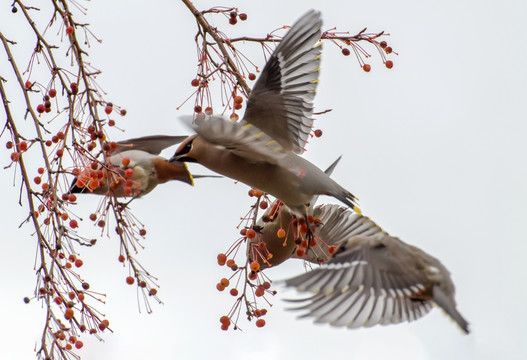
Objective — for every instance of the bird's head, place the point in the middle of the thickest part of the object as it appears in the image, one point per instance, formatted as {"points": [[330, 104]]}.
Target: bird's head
{"points": [[184, 152]]}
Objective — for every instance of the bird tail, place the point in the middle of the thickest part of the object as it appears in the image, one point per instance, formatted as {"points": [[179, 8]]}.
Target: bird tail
{"points": [[445, 303], [347, 198]]}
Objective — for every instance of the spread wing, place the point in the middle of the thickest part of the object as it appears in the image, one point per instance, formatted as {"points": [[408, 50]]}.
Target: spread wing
{"points": [[281, 103], [152, 144], [363, 286]]}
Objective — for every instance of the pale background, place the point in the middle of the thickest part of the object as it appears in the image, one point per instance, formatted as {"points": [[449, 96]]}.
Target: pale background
{"points": [[434, 148]]}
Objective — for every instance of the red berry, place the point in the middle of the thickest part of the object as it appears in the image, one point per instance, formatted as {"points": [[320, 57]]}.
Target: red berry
{"points": [[234, 292], [22, 146], [52, 93], [225, 282], [41, 108], [238, 100], [345, 51], [252, 76], [366, 67], [197, 109], [121, 258], [68, 314], [255, 266], [233, 21], [125, 161], [15, 156], [389, 64], [222, 258], [332, 249], [73, 225], [60, 152], [69, 30], [280, 233], [123, 112], [142, 232], [37, 180], [388, 50], [318, 133], [108, 109], [243, 16], [28, 84], [194, 82], [208, 110], [9, 145], [263, 205], [383, 44], [260, 323], [251, 234], [300, 252], [130, 280], [78, 263], [78, 344], [129, 173]]}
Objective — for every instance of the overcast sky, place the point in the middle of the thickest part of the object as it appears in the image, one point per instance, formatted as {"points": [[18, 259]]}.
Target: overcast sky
{"points": [[434, 149]]}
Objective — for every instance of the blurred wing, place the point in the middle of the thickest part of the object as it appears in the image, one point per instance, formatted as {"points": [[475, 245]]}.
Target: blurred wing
{"points": [[153, 144], [281, 103], [242, 140], [363, 286]]}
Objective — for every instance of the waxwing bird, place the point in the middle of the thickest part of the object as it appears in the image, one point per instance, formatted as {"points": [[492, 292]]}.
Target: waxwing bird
{"points": [[262, 149], [148, 168], [376, 279]]}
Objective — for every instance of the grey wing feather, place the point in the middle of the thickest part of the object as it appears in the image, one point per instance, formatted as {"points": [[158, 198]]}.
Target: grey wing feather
{"points": [[356, 291], [246, 140], [281, 103], [153, 144]]}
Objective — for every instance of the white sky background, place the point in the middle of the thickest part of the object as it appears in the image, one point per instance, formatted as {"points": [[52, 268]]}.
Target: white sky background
{"points": [[434, 148]]}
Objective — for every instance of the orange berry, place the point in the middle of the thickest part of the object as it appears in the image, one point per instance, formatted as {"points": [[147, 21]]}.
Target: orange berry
{"points": [[234, 117], [234, 292], [255, 266], [260, 323], [129, 173], [332, 249], [318, 133], [68, 314], [388, 50], [238, 100], [280, 233], [78, 263], [69, 30], [366, 67], [194, 82], [64, 216], [15, 156], [125, 161], [251, 234], [220, 287], [259, 291], [225, 319], [230, 262], [80, 297], [222, 258], [152, 292], [69, 347], [389, 64], [68, 265], [130, 280], [252, 275], [58, 300], [103, 325], [78, 344], [225, 282], [225, 326]]}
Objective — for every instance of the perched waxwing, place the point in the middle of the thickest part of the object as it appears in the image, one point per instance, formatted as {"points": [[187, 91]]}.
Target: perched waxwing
{"points": [[262, 149], [148, 169], [373, 279]]}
